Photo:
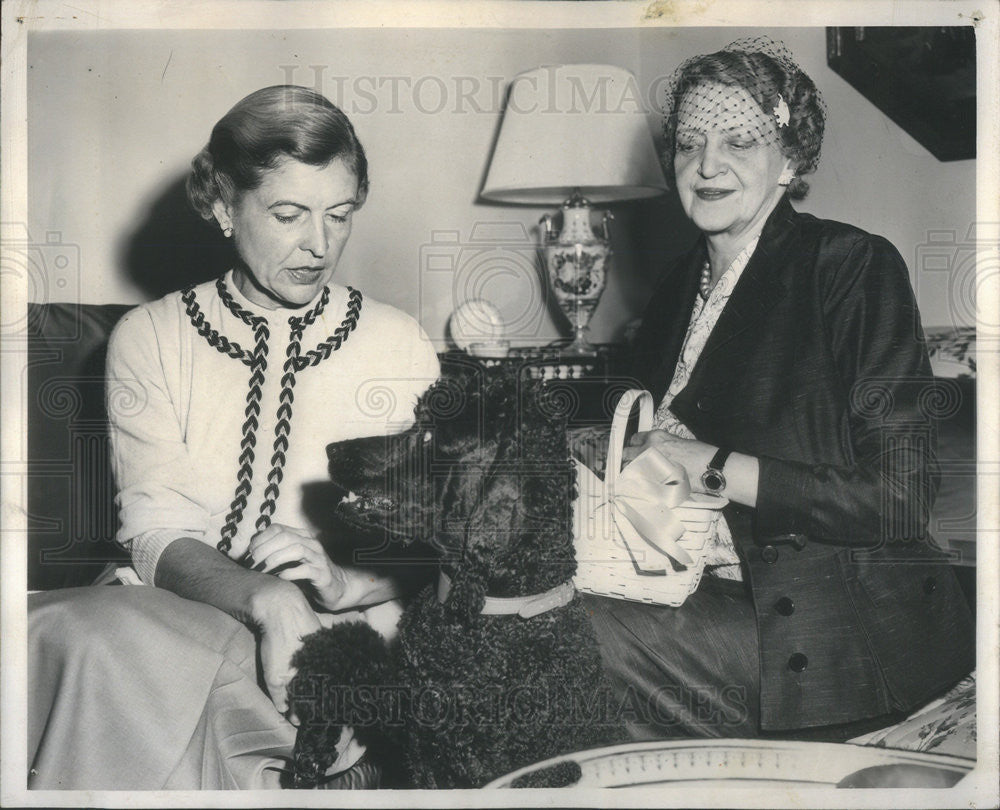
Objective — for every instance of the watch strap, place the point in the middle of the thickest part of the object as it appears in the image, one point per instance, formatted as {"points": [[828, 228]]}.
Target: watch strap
{"points": [[719, 459], [713, 479]]}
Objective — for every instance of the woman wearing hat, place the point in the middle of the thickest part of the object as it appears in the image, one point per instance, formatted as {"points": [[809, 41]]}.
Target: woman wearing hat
{"points": [[785, 353]]}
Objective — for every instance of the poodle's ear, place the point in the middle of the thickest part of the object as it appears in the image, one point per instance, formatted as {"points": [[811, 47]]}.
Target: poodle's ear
{"points": [[341, 674]]}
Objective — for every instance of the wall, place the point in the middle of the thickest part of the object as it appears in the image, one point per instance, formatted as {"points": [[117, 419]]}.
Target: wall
{"points": [[115, 117]]}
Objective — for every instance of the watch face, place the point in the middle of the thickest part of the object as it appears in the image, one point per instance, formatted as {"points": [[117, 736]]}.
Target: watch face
{"points": [[713, 480]]}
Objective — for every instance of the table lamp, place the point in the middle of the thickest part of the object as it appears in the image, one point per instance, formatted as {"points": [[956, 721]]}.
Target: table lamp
{"points": [[574, 135]]}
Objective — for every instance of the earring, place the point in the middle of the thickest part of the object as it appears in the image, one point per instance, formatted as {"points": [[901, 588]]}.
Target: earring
{"points": [[786, 176], [227, 231]]}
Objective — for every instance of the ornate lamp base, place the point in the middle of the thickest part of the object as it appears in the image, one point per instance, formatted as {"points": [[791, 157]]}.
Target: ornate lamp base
{"points": [[576, 262]]}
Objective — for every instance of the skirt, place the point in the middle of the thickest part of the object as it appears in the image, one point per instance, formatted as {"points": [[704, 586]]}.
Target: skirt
{"points": [[694, 670], [135, 688]]}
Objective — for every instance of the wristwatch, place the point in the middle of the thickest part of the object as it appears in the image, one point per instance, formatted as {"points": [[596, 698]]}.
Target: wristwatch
{"points": [[712, 479]]}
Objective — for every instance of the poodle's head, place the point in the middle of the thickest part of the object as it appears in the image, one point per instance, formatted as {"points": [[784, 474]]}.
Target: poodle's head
{"points": [[483, 475]]}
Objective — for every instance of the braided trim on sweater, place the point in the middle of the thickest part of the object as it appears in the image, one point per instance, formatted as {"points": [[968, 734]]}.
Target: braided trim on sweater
{"points": [[227, 298], [220, 342], [247, 317], [283, 425], [244, 475], [310, 317], [314, 357], [257, 360], [295, 362]]}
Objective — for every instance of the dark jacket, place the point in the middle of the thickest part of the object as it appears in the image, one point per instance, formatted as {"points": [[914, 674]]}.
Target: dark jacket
{"points": [[816, 366]]}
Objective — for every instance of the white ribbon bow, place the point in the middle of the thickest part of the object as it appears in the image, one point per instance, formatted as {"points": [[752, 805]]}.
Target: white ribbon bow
{"points": [[640, 504]]}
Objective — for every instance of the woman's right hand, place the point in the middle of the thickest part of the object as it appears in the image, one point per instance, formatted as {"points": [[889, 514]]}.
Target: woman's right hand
{"points": [[283, 618], [296, 555]]}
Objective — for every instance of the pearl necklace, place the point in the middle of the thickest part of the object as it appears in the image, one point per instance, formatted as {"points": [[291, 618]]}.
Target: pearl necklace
{"points": [[705, 285]]}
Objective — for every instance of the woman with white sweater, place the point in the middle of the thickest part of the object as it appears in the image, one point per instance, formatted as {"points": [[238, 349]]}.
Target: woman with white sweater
{"points": [[222, 398]]}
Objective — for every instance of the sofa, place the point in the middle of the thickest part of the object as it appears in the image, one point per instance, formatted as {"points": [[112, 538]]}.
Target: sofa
{"points": [[71, 512], [72, 517]]}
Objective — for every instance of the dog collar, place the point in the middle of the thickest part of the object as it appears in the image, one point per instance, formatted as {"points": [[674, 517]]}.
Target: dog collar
{"points": [[523, 606]]}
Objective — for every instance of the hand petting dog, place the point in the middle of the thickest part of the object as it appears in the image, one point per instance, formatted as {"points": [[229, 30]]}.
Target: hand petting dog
{"points": [[296, 556]]}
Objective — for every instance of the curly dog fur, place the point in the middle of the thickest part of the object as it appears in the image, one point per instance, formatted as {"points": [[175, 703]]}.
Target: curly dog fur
{"points": [[485, 477]]}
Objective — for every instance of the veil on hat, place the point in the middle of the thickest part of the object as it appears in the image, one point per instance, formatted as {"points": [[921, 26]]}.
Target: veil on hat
{"points": [[792, 111]]}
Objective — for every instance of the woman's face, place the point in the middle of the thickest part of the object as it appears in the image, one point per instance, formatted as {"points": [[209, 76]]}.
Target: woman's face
{"points": [[726, 160], [291, 230]]}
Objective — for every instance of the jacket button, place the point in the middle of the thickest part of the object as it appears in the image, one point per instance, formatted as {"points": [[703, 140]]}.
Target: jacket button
{"points": [[703, 404], [930, 585], [769, 554], [798, 662], [785, 606]]}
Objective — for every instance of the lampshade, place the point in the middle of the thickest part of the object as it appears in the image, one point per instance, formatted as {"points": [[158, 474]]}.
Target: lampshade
{"points": [[574, 127]]}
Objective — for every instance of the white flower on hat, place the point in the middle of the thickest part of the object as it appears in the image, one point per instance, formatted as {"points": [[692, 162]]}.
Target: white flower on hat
{"points": [[781, 112]]}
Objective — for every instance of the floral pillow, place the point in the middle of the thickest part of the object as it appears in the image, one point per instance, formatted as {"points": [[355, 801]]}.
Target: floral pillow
{"points": [[952, 351], [944, 726]]}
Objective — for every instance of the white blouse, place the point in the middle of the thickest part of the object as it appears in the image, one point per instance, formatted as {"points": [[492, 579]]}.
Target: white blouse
{"points": [[221, 411], [721, 557]]}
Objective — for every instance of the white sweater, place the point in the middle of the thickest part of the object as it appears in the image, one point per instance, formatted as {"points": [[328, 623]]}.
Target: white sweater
{"points": [[178, 411]]}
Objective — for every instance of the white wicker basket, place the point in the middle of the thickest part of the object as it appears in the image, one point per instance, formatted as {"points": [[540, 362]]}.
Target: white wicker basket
{"points": [[605, 564]]}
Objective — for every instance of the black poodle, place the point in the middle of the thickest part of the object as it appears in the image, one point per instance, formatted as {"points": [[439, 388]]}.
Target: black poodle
{"points": [[496, 666]]}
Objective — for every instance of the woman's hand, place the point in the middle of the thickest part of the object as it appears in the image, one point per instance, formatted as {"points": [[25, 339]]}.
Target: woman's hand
{"points": [[296, 556], [691, 454], [282, 617], [742, 471]]}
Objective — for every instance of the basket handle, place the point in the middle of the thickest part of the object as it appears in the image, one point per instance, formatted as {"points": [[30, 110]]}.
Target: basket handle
{"points": [[619, 424]]}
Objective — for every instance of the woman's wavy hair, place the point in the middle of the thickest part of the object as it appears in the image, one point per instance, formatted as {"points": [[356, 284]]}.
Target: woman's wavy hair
{"points": [[764, 77], [266, 127]]}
